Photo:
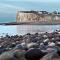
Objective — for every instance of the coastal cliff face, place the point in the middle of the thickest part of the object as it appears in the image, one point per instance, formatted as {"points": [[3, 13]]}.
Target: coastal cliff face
{"points": [[33, 16]]}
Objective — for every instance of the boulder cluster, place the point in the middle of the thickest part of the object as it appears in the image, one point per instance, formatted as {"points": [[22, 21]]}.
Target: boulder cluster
{"points": [[44, 46]]}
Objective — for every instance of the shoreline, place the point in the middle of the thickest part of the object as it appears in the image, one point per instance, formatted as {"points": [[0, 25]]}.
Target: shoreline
{"points": [[48, 43], [31, 23]]}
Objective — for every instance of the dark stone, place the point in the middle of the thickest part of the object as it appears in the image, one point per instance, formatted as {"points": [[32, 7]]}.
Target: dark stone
{"points": [[28, 34], [19, 46], [34, 54], [45, 43], [43, 47], [36, 34], [2, 49], [58, 51], [11, 45]]}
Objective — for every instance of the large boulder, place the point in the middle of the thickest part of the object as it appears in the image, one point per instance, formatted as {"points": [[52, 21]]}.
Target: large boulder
{"points": [[34, 54], [7, 56], [15, 54], [50, 56], [56, 58], [19, 54]]}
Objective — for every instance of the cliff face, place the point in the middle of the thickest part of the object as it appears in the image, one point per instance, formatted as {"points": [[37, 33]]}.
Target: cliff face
{"points": [[36, 17]]}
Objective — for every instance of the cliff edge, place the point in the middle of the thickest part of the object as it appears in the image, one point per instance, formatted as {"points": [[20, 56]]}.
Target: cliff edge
{"points": [[37, 16]]}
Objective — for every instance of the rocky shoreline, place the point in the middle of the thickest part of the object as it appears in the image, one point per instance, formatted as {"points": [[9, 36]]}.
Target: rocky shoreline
{"points": [[32, 23], [45, 46]]}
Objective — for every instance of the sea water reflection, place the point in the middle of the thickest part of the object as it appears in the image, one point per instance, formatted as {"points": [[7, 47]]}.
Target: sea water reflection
{"points": [[23, 29]]}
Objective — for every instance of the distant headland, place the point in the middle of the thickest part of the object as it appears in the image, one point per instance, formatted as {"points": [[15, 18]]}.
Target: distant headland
{"points": [[35, 18], [43, 17]]}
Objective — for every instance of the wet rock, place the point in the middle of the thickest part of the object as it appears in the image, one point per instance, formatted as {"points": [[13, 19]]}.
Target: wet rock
{"points": [[19, 46], [58, 51], [2, 49], [19, 54], [42, 46], [34, 54], [36, 39], [46, 40], [28, 34], [24, 46], [57, 39], [12, 45], [50, 35], [45, 36], [56, 58], [32, 45], [15, 54], [58, 43], [50, 56], [51, 44], [7, 56], [27, 38], [49, 49]]}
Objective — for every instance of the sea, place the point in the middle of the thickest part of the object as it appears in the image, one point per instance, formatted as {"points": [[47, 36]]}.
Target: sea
{"points": [[24, 29]]}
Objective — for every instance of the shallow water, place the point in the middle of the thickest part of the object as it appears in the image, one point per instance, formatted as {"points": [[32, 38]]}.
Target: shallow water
{"points": [[23, 29]]}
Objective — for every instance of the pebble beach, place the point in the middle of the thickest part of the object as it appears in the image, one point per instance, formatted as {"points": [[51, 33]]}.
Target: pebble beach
{"points": [[44, 46]]}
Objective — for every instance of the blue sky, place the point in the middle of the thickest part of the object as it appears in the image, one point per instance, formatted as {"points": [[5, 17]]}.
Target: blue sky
{"points": [[8, 8]]}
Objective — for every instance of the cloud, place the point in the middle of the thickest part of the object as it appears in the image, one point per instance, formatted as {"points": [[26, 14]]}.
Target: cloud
{"points": [[3, 5], [7, 8]]}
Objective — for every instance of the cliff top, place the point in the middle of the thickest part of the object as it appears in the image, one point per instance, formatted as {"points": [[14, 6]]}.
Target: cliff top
{"points": [[41, 12], [29, 11]]}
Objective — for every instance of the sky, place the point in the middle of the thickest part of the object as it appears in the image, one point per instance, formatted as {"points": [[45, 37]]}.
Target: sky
{"points": [[9, 8]]}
